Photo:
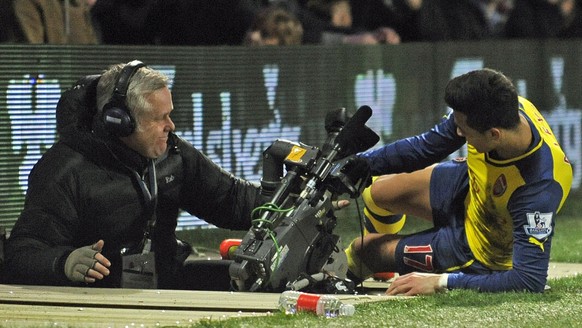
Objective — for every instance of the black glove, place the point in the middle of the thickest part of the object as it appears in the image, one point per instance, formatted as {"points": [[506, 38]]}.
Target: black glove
{"points": [[352, 175], [357, 169]]}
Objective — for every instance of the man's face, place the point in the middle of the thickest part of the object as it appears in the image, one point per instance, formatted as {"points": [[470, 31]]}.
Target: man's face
{"points": [[481, 141], [150, 139]]}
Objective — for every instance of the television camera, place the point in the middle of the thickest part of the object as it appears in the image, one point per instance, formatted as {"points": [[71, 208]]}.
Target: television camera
{"points": [[291, 244]]}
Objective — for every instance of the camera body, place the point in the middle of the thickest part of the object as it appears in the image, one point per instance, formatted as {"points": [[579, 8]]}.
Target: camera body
{"points": [[291, 244]]}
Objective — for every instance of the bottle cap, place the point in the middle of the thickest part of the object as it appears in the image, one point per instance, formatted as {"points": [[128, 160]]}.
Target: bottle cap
{"points": [[347, 309], [227, 248]]}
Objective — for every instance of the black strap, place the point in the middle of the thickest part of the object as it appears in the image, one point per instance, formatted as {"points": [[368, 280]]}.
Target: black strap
{"points": [[150, 193]]}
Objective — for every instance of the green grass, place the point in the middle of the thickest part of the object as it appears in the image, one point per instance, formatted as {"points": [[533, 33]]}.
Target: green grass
{"points": [[561, 306], [558, 307], [567, 243]]}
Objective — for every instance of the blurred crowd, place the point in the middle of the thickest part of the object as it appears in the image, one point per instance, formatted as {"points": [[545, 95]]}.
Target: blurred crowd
{"points": [[290, 22]]}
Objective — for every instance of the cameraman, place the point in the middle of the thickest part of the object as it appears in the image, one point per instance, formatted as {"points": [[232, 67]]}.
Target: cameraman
{"points": [[103, 202]]}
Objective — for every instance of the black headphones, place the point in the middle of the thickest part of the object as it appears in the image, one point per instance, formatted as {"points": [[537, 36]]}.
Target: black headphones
{"points": [[116, 117]]}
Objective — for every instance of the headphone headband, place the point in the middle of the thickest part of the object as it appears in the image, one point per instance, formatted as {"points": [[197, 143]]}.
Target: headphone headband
{"points": [[122, 82]]}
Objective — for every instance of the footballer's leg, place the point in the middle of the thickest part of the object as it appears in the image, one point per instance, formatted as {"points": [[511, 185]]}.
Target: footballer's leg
{"points": [[374, 253], [404, 193], [379, 220], [396, 193]]}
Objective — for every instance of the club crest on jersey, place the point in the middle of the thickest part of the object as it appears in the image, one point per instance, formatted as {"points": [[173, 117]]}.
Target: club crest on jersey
{"points": [[500, 186], [539, 225]]}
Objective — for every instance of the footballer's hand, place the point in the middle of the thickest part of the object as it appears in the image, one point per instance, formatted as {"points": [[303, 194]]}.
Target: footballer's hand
{"points": [[417, 283]]}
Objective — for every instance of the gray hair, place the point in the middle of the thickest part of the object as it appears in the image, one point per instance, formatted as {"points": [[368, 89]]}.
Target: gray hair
{"points": [[141, 85]]}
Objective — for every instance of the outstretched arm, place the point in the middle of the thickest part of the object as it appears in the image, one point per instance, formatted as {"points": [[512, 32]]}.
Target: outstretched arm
{"points": [[415, 153]]}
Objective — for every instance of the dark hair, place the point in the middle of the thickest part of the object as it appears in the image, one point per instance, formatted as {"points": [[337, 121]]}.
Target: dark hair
{"points": [[487, 97], [279, 23]]}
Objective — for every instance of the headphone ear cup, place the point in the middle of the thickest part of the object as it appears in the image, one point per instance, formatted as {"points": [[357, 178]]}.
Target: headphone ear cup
{"points": [[117, 121], [116, 116]]}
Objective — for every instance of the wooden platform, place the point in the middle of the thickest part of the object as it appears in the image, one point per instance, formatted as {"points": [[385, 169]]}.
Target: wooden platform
{"points": [[43, 306]]}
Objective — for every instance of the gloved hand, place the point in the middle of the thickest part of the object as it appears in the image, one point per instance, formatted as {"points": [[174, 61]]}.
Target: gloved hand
{"points": [[86, 264], [357, 169], [351, 175]]}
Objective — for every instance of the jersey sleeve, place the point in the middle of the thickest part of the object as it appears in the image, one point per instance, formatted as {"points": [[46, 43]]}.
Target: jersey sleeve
{"points": [[414, 153], [533, 210]]}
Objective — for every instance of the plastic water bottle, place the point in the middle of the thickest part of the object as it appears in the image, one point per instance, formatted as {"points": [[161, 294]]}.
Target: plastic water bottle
{"points": [[329, 306]]}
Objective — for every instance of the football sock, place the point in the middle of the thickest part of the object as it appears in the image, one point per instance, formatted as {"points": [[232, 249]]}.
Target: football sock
{"points": [[378, 219], [357, 271]]}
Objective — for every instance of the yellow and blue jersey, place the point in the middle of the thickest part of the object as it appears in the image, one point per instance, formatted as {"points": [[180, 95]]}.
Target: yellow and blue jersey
{"points": [[530, 187], [510, 205]]}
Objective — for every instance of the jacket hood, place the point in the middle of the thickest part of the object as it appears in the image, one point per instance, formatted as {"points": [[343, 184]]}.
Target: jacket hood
{"points": [[77, 108]]}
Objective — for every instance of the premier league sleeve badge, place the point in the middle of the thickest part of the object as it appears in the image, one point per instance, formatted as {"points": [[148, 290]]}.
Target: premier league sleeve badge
{"points": [[539, 225]]}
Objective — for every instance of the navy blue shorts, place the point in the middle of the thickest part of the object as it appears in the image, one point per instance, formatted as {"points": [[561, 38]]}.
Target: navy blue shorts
{"points": [[443, 248]]}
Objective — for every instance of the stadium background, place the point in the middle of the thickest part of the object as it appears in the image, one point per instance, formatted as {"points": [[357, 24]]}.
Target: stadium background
{"points": [[233, 102]]}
